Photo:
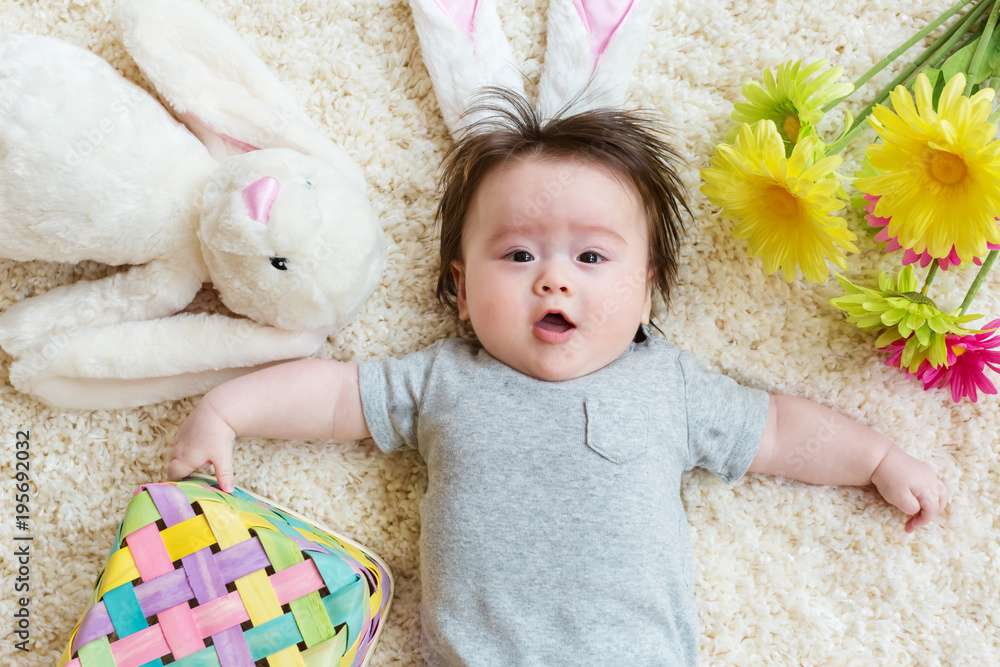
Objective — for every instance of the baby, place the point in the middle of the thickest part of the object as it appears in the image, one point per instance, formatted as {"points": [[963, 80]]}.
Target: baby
{"points": [[552, 527]]}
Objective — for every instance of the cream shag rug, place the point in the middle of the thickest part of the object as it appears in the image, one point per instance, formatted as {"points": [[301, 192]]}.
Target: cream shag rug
{"points": [[787, 574]]}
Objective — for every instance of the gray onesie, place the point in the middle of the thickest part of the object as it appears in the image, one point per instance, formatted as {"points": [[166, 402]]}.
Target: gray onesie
{"points": [[552, 527]]}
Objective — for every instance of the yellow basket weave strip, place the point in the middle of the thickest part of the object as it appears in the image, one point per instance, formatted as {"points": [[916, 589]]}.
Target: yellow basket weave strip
{"points": [[258, 596]]}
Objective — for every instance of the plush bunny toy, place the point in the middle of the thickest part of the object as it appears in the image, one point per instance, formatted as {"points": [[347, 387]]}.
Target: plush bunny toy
{"points": [[264, 207]]}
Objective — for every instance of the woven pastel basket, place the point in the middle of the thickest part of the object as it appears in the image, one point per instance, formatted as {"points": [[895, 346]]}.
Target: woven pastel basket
{"points": [[199, 577]]}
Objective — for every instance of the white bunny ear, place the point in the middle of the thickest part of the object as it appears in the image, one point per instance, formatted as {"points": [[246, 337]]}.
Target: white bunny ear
{"points": [[217, 85], [139, 363], [591, 52], [464, 49]]}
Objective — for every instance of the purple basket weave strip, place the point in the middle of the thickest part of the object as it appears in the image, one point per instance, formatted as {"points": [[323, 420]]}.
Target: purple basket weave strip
{"points": [[175, 587], [307, 545], [241, 559], [207, 583], [95, 624], [231, 648], [170, 502]]}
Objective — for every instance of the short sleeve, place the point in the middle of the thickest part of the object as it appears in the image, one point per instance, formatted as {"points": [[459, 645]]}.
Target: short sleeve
{"points": [[725, 420], [392, 392]]}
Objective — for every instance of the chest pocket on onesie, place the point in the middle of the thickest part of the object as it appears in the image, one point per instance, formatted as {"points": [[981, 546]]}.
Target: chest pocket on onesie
{"points": [[616, 429]]}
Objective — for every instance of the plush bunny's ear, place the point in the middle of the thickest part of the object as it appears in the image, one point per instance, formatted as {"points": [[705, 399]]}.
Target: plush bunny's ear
{"points": [[591, 52], [221, 90], [464, 49]]}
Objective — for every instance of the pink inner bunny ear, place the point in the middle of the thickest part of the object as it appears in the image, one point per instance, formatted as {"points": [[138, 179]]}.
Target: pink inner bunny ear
{"points": [[258, 197], [225, 137], [461, 12], [602, 18]]}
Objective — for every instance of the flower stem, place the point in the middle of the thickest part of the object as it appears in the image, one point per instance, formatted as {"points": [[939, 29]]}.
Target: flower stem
{"points": [[987, 265], [881, 65], [930, 277], [942, 45], [984, 41], [956, 33], [994, 83]]}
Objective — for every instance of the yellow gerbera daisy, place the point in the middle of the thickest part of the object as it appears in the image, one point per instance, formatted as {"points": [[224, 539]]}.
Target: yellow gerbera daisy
{"points": [[782, 205], [938, 171]]}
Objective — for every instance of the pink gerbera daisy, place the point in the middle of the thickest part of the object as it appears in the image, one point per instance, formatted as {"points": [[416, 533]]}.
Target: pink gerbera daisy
{"points": [[910, 257], [965, 369]]}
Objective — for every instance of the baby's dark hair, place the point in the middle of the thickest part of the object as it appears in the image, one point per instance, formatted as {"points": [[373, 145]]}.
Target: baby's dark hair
{"points": [[627, 143]]}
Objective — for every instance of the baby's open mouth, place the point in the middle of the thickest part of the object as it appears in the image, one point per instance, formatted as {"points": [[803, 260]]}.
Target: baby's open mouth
{"points": [[555, 322]]}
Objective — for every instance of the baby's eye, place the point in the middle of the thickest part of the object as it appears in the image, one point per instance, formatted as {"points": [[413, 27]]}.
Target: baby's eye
{"points": [[590, 257], [520, 256]]}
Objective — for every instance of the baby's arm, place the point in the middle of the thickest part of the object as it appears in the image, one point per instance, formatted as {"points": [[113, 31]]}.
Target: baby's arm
{"points": [[806, 441], [306, 400]]}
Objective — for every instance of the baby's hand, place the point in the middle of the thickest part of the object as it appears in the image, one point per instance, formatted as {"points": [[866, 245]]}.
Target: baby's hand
{"points": [[912, 486], [204, 438]]}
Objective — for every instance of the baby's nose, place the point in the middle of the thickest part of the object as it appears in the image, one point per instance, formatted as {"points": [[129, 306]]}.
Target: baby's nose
{"points": [[551, 282]]}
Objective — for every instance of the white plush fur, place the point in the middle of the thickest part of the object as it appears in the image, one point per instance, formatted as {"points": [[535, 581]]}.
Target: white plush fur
{"points": [[204, 69], [571, 74], [64, 371], [461, 62], [95, 169], [786, 573]]}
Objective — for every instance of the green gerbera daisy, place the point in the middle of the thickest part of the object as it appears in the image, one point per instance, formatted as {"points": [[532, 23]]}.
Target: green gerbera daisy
{"points": [[898, 311], [790, 99]]}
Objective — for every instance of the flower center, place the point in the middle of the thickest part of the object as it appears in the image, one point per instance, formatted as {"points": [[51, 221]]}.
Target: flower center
{"points": [[782, 202], [917, 297], [947, 168], [959, 351], [791, 126]]}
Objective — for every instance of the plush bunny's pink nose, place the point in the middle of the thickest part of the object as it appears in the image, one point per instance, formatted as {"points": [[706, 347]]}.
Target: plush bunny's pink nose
{"points": [[258, 197]]}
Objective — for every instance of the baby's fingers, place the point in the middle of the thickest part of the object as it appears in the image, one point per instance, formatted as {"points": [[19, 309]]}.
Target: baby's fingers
{"points": [[932, 503], [224, 473], [222, 462], [177, 469]]}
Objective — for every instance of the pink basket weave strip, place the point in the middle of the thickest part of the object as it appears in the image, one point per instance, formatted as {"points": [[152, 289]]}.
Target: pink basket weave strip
{"points": [[222, 613], [296, 581], [152, 561], [139, 648]]}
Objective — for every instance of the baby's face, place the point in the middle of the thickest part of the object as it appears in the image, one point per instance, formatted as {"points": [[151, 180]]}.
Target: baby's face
{"points": [[554, 276]]}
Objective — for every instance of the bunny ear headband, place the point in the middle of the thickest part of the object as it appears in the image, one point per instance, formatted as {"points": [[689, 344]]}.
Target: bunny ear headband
{"points": [[265, 207], [592, 46]]}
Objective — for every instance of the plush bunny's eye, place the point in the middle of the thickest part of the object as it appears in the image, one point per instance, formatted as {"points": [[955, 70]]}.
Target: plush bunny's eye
{"points": [[309, 185], [279, 263]]}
